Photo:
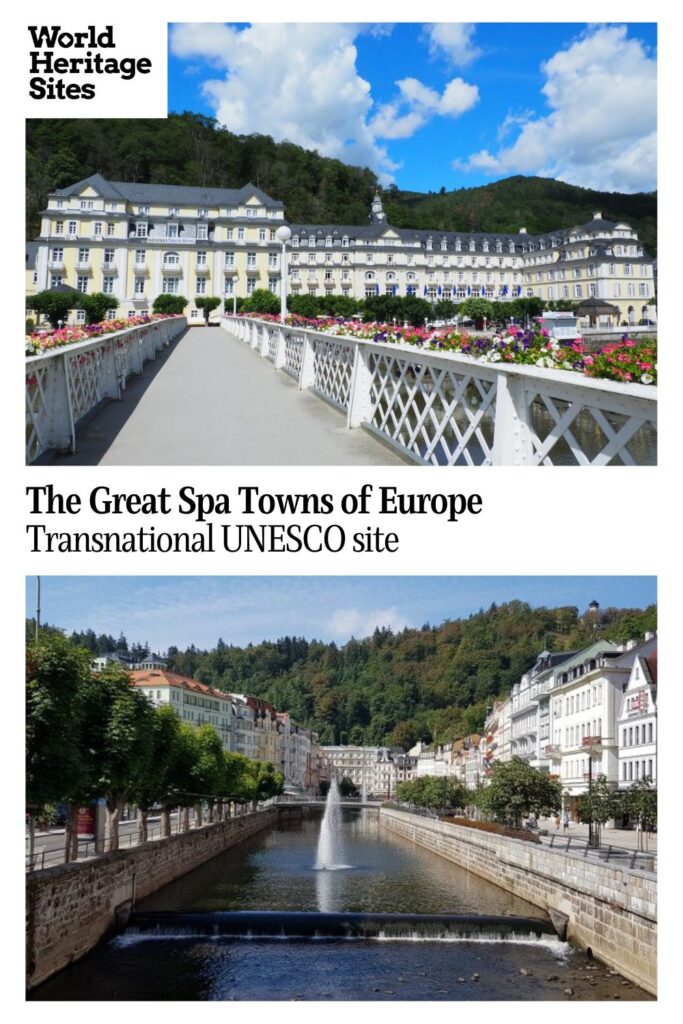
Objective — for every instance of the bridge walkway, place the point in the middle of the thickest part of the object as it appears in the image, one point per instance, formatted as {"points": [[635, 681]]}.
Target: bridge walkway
{"points": [[209, 400]]}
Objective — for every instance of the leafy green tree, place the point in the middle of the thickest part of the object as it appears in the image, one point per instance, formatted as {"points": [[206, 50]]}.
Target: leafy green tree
{"points": [[347, 787], [262, 301], [303, 305], [157, 782], [208, 303], [208, 771], [54, 304], [165, 303], [477, 310], [639, 801], [96, 305], [404, 734], [445, 309], [117, 735], [517, 790], [597, 805], [526, 308], [56, 674]]}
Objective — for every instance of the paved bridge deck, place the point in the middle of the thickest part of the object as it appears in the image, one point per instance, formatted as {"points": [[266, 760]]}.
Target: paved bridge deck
{"points": [[210, 400]]}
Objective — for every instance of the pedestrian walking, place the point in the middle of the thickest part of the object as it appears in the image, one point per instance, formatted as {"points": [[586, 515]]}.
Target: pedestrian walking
{"points": [[557, 822], [566, 821]]}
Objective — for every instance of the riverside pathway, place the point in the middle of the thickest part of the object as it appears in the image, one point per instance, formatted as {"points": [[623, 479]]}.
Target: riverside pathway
{"points": [[211, 401]]}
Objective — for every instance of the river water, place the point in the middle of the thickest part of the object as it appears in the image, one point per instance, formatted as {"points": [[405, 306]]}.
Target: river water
{"points": [[275, 870]]}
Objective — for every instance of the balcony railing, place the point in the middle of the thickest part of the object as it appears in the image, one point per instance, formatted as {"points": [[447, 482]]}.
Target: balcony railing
{"points": [[64, 384], [453, 410]]}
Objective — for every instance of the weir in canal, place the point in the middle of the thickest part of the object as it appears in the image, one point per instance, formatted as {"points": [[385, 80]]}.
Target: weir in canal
{"points": [[339, 909]]}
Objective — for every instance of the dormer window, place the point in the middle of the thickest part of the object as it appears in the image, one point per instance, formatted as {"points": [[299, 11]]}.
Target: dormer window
{"points": [[485, 245], [143, 209], [499, 246], [471, 245], [173, 211], [201, 212], [345, 240], [328, 241], [458, 245], [295, 240], [429, 244], [511, 247], [311, 240], [443, 245]]}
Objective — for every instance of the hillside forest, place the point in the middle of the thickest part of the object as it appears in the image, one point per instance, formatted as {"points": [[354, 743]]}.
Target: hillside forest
{"points": [[191, 149], [432, 683]]}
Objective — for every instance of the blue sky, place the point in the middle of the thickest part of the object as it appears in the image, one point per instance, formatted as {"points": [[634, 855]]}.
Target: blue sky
{"points": [[181, 610], [436, 105]]}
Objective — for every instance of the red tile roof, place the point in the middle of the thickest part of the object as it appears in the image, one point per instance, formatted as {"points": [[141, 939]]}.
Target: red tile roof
{"points": [[158, 677]]}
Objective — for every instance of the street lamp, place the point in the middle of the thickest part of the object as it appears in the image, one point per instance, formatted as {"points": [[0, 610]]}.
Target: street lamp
{"points": [[593, 743], [283, 234]]}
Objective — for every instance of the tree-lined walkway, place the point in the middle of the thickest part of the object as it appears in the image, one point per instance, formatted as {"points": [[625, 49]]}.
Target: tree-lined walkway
{"points": [[210, 400]]}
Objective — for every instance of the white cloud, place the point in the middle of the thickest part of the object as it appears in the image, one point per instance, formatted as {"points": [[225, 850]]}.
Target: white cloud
{"points": [[293, 81], [417, 103], [300, 82], [348, 622], [601, 129], [452, 40]]}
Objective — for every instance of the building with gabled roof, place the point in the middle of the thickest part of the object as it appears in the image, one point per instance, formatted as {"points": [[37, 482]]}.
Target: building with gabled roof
{"points": [[134, 240]]}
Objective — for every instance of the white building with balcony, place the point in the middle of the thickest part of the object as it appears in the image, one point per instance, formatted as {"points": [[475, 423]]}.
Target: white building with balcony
{"points": [[637, 723], [585, 704]]}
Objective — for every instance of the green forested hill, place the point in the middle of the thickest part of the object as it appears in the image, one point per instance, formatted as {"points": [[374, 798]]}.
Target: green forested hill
{"points": [[190, 149], [428, 683]]}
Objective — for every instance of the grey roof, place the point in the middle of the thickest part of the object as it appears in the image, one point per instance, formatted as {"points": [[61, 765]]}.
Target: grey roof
{"points": [[136, 192], [377, 230], [596, 224]]}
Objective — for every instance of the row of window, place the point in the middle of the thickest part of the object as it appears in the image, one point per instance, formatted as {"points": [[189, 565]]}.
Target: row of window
{"points": [[632, 735], [587, 698], [632, 771], [173, 211]]}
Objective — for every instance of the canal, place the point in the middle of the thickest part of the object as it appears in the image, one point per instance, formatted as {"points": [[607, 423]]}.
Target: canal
{"points": [[381, 872]]}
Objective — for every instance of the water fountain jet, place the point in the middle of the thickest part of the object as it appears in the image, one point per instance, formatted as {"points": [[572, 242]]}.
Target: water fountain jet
{"points": [[329, 854]]}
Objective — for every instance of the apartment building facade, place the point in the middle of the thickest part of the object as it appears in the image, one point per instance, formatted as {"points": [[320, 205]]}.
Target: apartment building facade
{"points": [[134, 241]]}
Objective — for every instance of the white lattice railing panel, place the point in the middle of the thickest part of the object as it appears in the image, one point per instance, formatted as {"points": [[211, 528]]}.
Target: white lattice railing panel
{"points": [[37, 406], [333, 369], [294, 354], [64, 385], [577, 427], [447, 409], [85, 376], [271, 351], [439, 415]]}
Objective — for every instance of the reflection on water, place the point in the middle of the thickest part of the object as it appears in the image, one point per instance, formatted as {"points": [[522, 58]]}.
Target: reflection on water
{"points": [[276, 871]]}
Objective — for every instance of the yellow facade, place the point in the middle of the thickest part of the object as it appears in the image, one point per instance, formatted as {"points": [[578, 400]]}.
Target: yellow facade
{"points": [[136, 241]]}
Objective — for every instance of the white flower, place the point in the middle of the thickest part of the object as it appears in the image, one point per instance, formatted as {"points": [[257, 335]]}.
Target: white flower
{"points": [[647, 378], [495, 357]]}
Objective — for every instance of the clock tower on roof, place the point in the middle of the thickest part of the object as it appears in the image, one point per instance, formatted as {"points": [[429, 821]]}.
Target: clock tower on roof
{"points": [[377, 214]]}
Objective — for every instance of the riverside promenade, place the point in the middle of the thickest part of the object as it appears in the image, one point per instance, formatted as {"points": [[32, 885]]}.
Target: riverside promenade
{"points": [[207, 401]]}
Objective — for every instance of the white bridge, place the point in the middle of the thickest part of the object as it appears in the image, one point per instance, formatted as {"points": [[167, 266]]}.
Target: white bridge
{"points": [[64, 385], [248, 393], [451, 409]]}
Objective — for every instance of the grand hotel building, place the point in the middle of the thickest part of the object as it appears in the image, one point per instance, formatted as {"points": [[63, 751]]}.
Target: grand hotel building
{"points": [[135, 241]]}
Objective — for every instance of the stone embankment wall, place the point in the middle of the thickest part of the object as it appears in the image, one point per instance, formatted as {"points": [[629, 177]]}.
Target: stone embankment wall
{"points": [[611, 910], [72, 906]]}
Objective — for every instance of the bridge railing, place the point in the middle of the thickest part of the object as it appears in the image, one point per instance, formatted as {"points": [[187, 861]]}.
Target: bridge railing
{"points": [[448, 409], [64, 384]]}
